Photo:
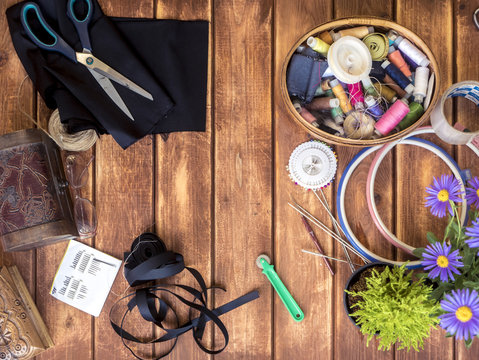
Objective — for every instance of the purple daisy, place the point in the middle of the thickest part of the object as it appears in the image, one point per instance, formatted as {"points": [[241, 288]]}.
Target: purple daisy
{"points": [[462, 314], [473, 232], [445, 189], [441, 260], [472, 191]]}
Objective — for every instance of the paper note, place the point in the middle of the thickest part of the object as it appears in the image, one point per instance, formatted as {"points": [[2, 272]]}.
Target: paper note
{"points": [[85, 277]]}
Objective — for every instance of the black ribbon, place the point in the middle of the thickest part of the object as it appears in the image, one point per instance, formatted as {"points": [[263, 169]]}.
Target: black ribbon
{"points": [[149, 260]]}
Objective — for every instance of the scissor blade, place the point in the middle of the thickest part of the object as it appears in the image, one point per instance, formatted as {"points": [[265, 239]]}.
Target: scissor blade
{"points": [[108, 87], [93, 63]]}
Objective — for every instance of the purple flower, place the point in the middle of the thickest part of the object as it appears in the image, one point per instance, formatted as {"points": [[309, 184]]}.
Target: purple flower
{"points": [[443, 263], [462, 314], [472, 191], [473, 232], [443, 190]]}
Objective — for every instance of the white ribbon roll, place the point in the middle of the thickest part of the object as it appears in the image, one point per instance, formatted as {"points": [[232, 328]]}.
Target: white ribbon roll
{"points": [[469, 90]]}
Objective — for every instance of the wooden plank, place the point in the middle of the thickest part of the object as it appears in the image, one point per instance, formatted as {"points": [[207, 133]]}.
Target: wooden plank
{"points": [[11, 76], [306, 277], [124, 201], [466, 69], [184, 193], [413, 220], [350, 342], [243, 170]]}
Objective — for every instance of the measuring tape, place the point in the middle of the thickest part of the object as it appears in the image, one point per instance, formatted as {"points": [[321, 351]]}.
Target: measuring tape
{"points": [[469, 90]]}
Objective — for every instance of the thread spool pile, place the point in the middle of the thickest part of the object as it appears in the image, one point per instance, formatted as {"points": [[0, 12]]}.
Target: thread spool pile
{"points": [[373, 82]]}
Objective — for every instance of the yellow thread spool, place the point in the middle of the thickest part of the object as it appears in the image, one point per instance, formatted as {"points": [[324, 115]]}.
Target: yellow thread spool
{"points": [[318, 45], [386, 92], [338, 91], [326, 37], [358, 32]]}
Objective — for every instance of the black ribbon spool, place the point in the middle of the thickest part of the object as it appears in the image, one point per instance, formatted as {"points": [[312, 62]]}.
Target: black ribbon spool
{"points": [[149, 260]]}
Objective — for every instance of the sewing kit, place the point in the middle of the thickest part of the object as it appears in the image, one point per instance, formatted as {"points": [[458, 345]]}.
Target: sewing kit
{"points": [[383, 75]]}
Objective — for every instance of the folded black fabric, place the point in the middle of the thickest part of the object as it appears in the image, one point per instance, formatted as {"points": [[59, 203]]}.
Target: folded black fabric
{"points": [[304, 76], [155, 54]]}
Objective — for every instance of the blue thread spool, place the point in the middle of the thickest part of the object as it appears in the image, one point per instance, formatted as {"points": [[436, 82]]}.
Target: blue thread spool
{"points": [[396, 74], [373, 107]]}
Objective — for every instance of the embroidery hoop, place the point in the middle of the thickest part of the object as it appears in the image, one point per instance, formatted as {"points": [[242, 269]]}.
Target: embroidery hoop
{"points": [[353, 164]]}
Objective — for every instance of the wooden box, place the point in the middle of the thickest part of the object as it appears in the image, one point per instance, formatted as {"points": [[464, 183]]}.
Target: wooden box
{"points": [[35, 203]]}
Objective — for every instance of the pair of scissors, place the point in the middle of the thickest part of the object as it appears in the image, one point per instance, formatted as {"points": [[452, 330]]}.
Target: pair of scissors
{"points": [[98, 69]]}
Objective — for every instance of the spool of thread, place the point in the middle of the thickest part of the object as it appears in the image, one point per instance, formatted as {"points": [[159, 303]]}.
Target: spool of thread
{"points": [[356, 95], [378, 45], [319, 91], [305, 114], [369, 88], [411, 51], [326, 37], [332, 124], [421, 79], [373, 108], [337, 115], [358, 125], [341, 95], [323, 103], [415, 112], [318, 45], [392, 84], [79, 141], [325, 85], [386, 92], [349, 59], [398, 76], [392, 36], [396, 58], [392, 117], [358, 32]]}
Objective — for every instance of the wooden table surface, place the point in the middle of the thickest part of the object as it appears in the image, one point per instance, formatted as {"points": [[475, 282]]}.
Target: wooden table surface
{"points": [[220, 197]]}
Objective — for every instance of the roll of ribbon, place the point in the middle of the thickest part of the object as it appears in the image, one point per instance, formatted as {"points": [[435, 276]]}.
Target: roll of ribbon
{"points": [[149, 260], [378, 45], [349, 59], [469, 90]]}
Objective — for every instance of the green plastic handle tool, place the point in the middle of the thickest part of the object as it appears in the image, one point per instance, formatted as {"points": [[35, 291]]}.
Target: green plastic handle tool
{"points": [[263, 262]]}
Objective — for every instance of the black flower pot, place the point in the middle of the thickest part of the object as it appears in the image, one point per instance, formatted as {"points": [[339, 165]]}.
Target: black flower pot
{"points": [[352, 280]]}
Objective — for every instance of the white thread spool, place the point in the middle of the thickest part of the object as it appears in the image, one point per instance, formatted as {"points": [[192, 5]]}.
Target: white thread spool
{"points": [[349, 59], [412, 51], [420, 83]]}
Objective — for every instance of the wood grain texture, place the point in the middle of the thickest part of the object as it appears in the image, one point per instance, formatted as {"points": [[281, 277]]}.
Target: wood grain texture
{"points": [[243, 169], [183, 196], [413, 220], [466, 42], [357, 211], [124, 200], [306, 276]]}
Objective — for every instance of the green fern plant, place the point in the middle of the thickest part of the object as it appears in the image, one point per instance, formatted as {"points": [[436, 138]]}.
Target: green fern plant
{"points": [[396, 308]]}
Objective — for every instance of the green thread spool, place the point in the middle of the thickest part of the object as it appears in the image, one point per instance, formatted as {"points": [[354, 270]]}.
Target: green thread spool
{"points": [[319, 91], [378, 45], [318, 45], [415, 112]]}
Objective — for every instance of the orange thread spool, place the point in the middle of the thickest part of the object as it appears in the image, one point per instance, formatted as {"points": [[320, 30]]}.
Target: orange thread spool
{"points": [[396, 58], [341, 95]]}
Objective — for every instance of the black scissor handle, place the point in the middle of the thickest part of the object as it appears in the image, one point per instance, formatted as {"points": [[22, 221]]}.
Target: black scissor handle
{"points": [[81, 25]]}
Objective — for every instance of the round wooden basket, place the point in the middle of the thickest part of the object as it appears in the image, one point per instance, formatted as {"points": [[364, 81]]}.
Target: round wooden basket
{"points": [[380, 25]]}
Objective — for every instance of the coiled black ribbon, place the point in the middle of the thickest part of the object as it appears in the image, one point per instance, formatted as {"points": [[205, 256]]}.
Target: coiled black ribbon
{"points": [[149, 260]]}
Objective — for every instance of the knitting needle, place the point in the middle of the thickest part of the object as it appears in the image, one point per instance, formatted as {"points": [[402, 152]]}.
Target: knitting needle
{"points": [[325, 256], [316, 242]]}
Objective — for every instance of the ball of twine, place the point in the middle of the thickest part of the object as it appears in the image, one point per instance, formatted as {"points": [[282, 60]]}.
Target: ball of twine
{"points": [[79, 141]]}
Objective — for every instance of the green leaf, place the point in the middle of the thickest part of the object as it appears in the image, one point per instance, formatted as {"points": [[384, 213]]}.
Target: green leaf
{"points": [[431, 238], [468, 343], [471, 284], [418, 252]]}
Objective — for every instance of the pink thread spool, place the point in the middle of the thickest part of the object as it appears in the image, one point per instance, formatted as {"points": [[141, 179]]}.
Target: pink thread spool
{"points": [[356, 95], [392, 117]]}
